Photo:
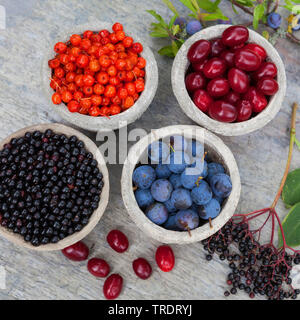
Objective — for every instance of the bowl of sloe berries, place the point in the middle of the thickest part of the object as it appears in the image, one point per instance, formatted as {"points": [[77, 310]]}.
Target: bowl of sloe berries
{"points": [[229, 79], [54, 186], [180, 184]]}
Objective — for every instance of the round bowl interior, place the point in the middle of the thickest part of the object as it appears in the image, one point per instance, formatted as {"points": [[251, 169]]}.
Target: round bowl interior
{"points": [[97, 214], [217, 151], [102, 123], [181, 64]]}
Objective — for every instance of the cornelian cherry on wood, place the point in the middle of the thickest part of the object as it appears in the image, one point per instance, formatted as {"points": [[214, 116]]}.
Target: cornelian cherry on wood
{"points": [[218, 87], [235, 35], [77, 251], [112, 286], [268, 86], [222, 111], [165, 258], [247, 60], [199, 51], [232, 97], [98, 267], [194, 81], [117, 240], [202, 100], [267, 69], [238, 80], [228, 56], [259, 50], [142, 268], [244, 110], [217, 47], [257, 99], [214, 67]]}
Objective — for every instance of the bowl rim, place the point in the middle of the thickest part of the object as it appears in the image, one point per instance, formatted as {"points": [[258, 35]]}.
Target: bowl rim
{"points": [[158, 232], [181, 63], [97, 214], [100, 124]]}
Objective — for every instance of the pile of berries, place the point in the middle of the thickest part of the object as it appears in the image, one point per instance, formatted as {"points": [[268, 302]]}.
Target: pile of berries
{"points": [[180, 190], [98, 74], [99, 268], [229, 79], [255, 269], [50, 186]]}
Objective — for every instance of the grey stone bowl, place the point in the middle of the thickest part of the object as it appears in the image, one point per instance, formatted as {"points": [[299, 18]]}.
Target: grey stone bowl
{"points": [[217, 151], [97, 214], [101, 123], [181, 64]]}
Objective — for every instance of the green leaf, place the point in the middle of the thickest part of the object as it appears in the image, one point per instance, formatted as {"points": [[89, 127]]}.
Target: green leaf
{"points": [[170, 5], [258, 13], [157, 17], [175, 48], [189, 5], [297, 143], [156, 34], [291, 189], [167, 51], [175, 29], [215, 16], [266, 34], [172, 21], [291, 228], [245, 3]]}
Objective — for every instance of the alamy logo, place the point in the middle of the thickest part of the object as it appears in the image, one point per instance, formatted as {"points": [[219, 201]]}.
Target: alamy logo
{"points": [[2, 18], [2, 278]]}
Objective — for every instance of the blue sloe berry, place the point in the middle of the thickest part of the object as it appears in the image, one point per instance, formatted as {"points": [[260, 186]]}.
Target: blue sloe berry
{"points": [[187, 219], [201, 194], [180, 21], [143, 176], [158, 151], [195, 149], [274, 20], [170, 224], [214, 168], [169, 204], [188, 180], [221, 185], [161, 190], [175, 179], [209, 210], [162, 171], [193, 26], [143, 198], [157, 213], [178, 161], [181, 198]]}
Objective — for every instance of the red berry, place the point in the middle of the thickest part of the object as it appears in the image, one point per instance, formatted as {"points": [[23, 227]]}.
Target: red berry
{"points": [[75, 39], [73, 106], [202, 100], [54, 63], [104, 33], [198, 67], [87, 34], [244, 110], [257, 49], [88, 80], [82, 61], [214, 67], [257, 99], [199, 51], [60, 47], [268, 86], [127, 42], [66, 96], [142, 268], [137, 47], [76, 252], [247, 60], [56, 98], [238, 80], [232, 97], [217, 47], [117, 240], [267, 69], [115, 109], [228, 56], [235, 35], [165, 259], [110, 91], [194, 81], [117, 27], [98, 267], [218, 87], [112, 286], [222, 111]]}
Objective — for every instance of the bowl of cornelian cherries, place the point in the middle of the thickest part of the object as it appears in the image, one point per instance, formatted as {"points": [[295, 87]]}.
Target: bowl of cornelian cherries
{"points": [[229, 79], [100, 78]]}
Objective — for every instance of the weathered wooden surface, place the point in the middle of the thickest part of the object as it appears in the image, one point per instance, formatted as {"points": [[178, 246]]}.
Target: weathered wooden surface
{"points": [[260, 156]]}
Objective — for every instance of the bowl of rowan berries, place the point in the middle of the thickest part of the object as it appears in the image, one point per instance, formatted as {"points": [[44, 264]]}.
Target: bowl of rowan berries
{"points": [[229, 79], [98, 77], [180, 184]]}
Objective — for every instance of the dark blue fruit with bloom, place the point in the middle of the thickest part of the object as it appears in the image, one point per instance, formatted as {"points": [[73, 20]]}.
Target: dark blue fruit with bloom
{"points": [[158, 151], [214, 168], [161, 190], [180, 21], [209, 210], [170, 224], [175, 179], [187, 219], [274, 20], [193, 26], [221, 185], [181, 199], [201, 194], [143, 197], [200, 166], [162, 171], [143, 177], [157, 213], [178, 161], [188, 179], [169, 204]]}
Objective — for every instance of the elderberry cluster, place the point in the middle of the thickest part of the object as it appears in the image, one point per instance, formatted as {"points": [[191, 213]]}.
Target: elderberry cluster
{"points": [[255, 269], [49, 186]]}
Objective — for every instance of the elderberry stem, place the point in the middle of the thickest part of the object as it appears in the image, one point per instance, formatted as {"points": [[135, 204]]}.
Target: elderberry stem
{"points": [[291, 147]]}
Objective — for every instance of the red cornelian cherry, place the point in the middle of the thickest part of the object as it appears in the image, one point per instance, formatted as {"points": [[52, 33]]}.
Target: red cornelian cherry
{"points": [[267, 69], [235, 35], [268, 86], [77, 251], [217, 47], [82, 61], [202, 100], [73, 106], [198, 67], [117, 240], [98, 267], [112, 286], [142, 268], [222, 111], [238, 80], [244, 110], [214, 67], [247, 60], [194, 81], [218, 87], [165, 258], [56, 98], [228, 57], [60, 47], [199, 51], [257, 99], [259, 50], [232, 97], [75, 39]]}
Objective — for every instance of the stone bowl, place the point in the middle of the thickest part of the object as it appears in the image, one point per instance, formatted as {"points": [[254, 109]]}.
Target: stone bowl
{"points": [[101, 123], [97, 214], [181, 64], [217, 151]]}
